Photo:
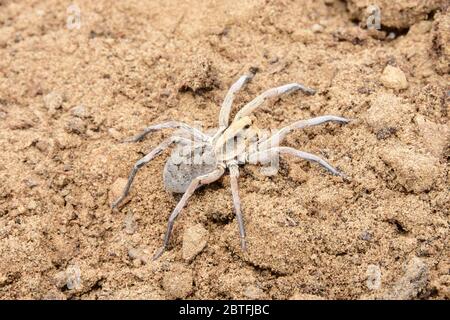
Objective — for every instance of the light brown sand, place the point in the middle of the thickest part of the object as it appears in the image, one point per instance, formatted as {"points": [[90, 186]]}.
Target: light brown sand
{"points": [[68, 97]]}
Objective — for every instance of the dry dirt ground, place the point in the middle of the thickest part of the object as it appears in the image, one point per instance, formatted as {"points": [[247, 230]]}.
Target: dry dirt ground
{"points": [[69, 96]]}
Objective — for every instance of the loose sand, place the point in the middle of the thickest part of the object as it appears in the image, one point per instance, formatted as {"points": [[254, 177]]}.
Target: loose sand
{"points": [[69, 96]]}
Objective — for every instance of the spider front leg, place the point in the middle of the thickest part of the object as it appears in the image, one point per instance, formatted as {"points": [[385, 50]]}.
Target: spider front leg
{"points": [[197, 182], [278, 137], [170, 125], [228, 101], [263, 156], [141, 162], [234, 174], [255, 103]]}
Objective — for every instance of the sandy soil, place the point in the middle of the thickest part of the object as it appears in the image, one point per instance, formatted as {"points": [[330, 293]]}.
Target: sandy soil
{"points": [[69, 96]]}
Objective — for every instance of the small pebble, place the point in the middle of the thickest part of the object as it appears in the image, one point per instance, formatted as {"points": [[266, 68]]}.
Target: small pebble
{"points": [[73, 280], [391, 36], [137, 256], [76, 125], [53, 101], [394, 78], [194, 241], [32, 205], [80, 111], [129, 224], [116, 189], [60, 279], [273, 60], [30, 182], [133, 253], [42, 145], [317, 28], [21, 210]]}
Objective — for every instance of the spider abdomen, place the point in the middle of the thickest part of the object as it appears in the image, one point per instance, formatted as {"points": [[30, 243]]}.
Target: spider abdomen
{"points": [[187, 163]]}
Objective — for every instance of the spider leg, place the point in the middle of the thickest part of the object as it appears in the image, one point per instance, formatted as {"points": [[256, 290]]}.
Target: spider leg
{"points": [[255, 103], [261, 156], [170, 125], [234, 174], [141, 162], [228, 101], [276, 138], [201, 180]]}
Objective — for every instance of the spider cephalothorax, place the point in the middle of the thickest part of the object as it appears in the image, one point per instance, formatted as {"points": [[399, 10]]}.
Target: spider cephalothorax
{"points": [[200, 158]]}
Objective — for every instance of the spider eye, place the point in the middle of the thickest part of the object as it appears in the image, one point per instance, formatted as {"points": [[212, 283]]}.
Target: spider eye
{"points": [[246, 126]]}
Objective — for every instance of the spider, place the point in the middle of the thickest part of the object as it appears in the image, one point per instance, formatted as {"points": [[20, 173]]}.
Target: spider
{"points": [[232, 145]]}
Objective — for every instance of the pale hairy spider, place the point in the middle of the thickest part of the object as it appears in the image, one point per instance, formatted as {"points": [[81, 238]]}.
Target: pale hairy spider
{"points": [[229, 147]]}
